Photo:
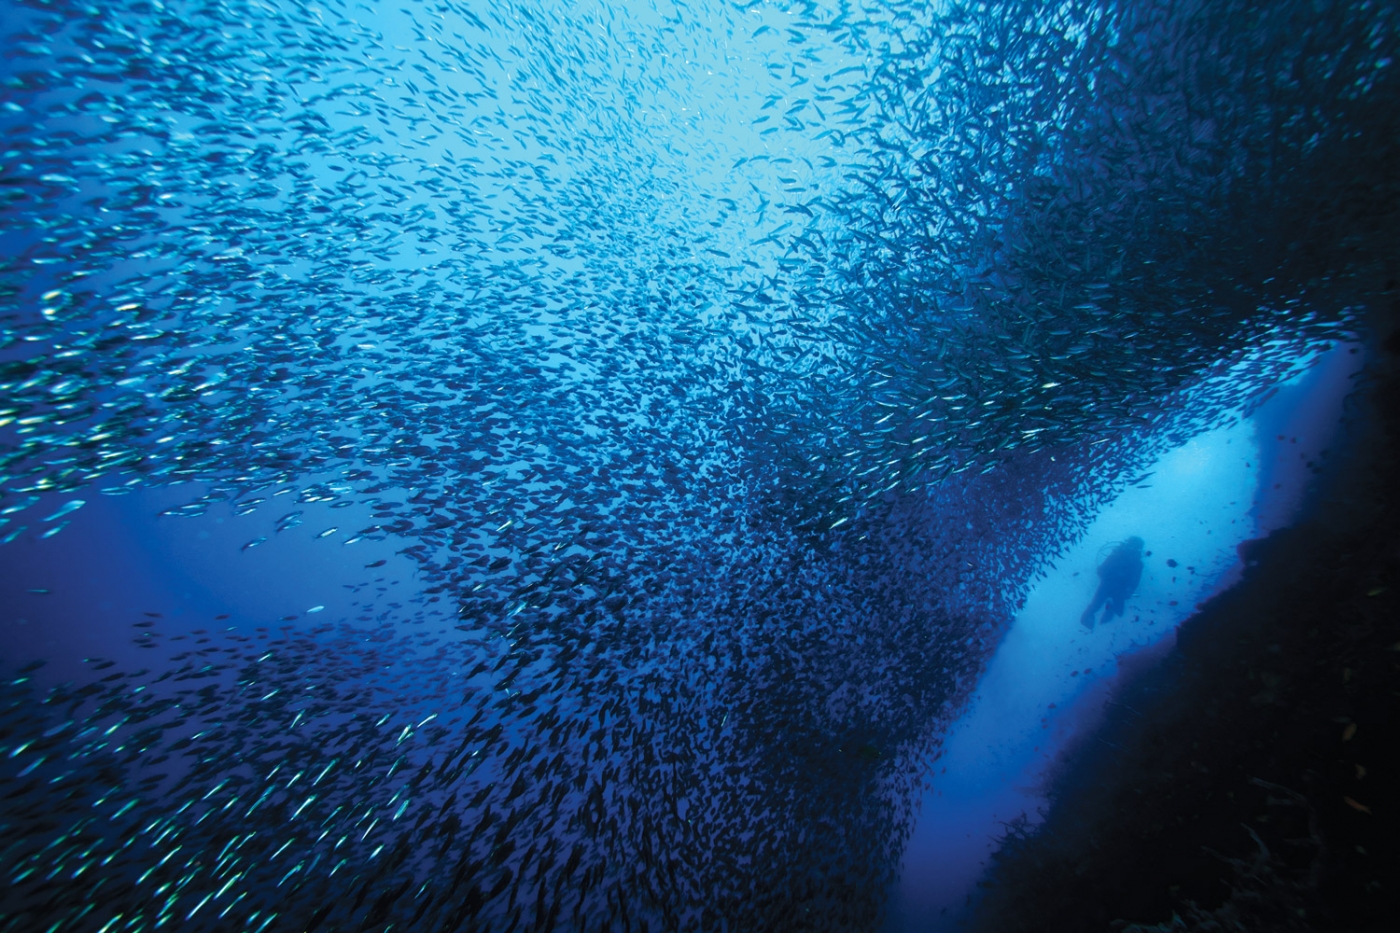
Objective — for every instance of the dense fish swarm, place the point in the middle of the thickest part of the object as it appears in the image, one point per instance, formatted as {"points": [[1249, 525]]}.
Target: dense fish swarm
{"points": [[729, 369]]}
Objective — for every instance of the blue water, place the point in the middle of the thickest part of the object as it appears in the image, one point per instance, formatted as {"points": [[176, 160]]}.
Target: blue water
{"points": [[540, 466], [1050, 679]]}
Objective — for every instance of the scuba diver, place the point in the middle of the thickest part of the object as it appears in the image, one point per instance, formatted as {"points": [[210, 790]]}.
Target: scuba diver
{"points": [[1118, 577]]}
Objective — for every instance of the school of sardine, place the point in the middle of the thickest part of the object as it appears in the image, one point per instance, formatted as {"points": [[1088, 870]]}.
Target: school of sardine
{"points": [[728, 369]]}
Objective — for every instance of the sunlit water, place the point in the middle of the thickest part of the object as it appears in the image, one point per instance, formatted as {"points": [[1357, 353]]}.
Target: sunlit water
{"points": [[545, 466], [1051, 677]]}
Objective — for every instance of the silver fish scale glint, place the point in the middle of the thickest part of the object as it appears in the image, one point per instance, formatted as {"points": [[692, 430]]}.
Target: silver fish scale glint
{"points": [[725, 369]]}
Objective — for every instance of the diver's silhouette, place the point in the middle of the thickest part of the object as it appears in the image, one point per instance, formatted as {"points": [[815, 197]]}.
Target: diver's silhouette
{"points": [[1118, 577]]}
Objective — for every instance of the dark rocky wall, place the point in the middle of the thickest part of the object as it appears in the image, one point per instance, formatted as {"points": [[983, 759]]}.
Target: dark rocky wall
{"points": [[1251, 782]]}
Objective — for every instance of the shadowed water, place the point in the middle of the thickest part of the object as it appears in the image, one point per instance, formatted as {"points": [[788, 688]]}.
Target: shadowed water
{"points": [[540, 466]]}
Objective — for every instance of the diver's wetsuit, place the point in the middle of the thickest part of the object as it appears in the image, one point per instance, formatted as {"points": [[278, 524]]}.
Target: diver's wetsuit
{"points": [[1118, 577]]}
